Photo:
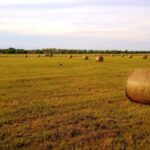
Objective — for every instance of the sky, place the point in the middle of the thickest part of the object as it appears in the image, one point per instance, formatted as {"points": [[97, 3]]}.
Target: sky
{"points": [[79, 24]]}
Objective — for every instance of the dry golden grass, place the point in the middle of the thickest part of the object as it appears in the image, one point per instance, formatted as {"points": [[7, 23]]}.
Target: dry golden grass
{"points": [[80, 105]]}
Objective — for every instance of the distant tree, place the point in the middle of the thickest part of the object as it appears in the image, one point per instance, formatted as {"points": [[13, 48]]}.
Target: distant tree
{"points": [[11, 50]]}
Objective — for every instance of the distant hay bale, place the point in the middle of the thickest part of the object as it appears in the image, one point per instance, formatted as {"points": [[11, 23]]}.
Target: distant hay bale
{"points": [[46, 55], [122, 55], [137, 87], [51, 55], [112, 55], [85, 57], [25, 56], [130, 56], [145, 56], [99, 59], [39, 55], [70, 56]]}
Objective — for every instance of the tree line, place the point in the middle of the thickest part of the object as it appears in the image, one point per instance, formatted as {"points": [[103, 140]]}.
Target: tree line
{"points": [[67, 51]]}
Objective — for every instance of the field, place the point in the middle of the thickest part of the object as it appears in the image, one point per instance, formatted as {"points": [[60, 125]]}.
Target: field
{"points": [[79, 105]]}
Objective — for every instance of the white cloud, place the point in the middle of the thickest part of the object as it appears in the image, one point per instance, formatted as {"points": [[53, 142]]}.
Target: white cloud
{"points": [[6, 2], [24, 1], [126, 23]]}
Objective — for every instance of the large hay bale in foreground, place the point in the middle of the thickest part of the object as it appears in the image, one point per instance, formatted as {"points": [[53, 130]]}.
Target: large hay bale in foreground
{"points": [[99, 58], [70, 56], [145, 57], [85, 57], [138, 86]]}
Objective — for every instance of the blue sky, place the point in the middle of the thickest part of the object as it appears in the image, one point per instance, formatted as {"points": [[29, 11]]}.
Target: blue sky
{"points": [[80, 24]]}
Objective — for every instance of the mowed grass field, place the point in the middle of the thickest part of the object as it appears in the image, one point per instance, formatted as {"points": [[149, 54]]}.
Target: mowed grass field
{"points": [[79, 105]]}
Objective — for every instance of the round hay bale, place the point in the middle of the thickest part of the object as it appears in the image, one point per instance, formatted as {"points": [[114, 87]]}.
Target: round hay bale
{"points": [[122, 55], [39, 55], [130, 56], [46, 55], [85, 57], [112, 55], [51, 55], [70, 56], [145, 57], [99, 58], [137, 87], [25, 56]]}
